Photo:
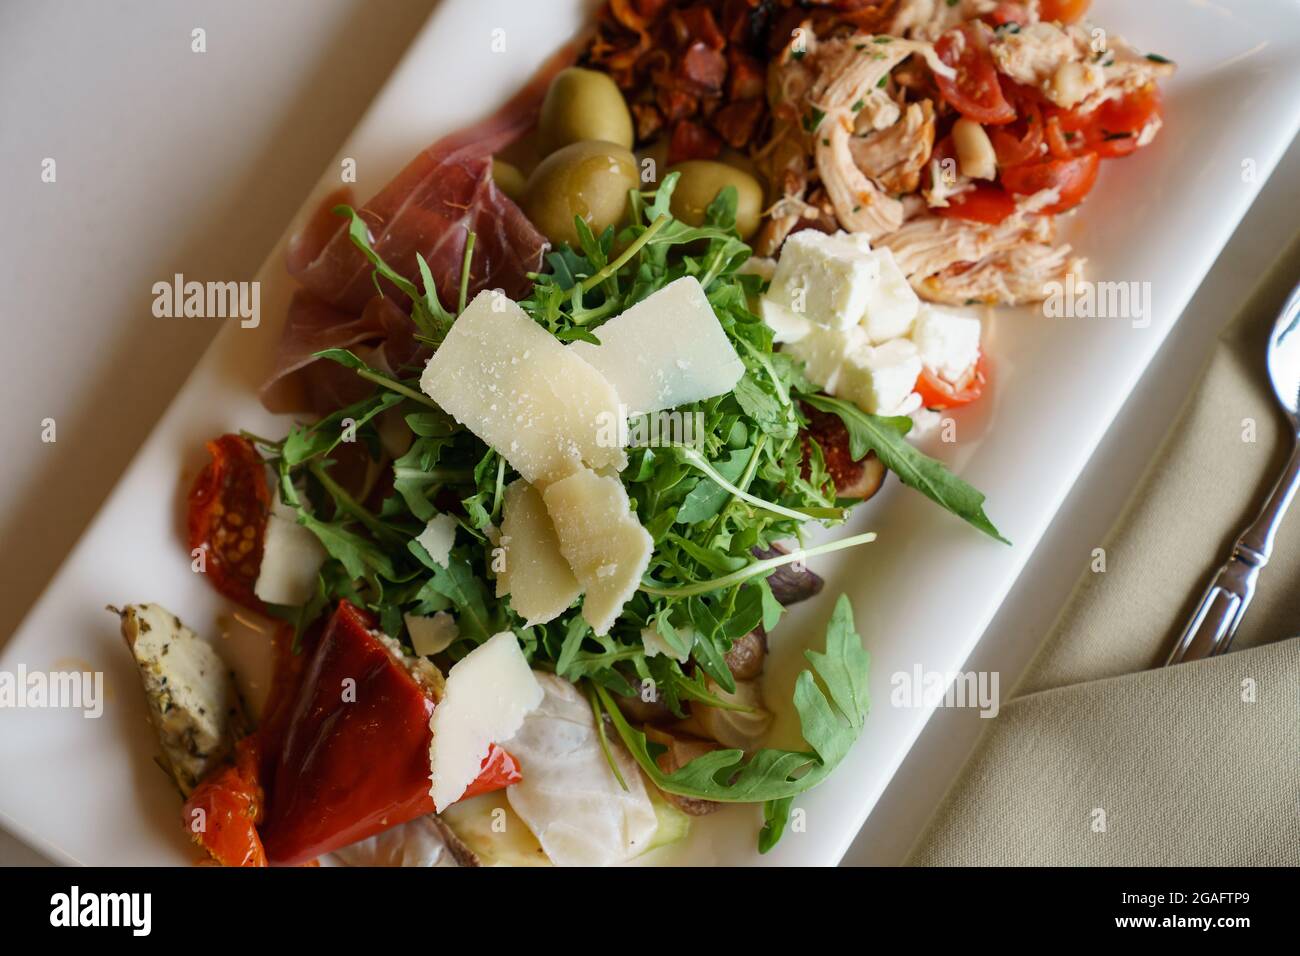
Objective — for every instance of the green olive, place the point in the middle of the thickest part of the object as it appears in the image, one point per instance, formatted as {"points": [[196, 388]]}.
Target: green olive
{"points": [[508, 179], [702, 180], [590, 180], [584, 104]]}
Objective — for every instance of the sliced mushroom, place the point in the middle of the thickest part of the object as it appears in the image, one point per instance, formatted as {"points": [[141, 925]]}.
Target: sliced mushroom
{"points": [[747, 655], [742, 729], [790, 583], [678, 752]]}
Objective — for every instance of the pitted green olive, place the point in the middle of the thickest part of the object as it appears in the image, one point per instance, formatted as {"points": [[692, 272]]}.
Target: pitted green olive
{"points": [[590, 180], [581, 105], [508, 179], [702, 180]]}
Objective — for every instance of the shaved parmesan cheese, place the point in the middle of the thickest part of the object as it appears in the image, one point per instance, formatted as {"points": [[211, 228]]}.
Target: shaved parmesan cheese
{"points": [[487, 695], [431, 635], [291, 559], [601, 539], [518, 388], [667, 350], [437, 538], [569, 797], [656, 643], [539, 581]]}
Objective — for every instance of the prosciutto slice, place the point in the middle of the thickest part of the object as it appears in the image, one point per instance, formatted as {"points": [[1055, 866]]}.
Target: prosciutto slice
{"points": [[430, 208]]}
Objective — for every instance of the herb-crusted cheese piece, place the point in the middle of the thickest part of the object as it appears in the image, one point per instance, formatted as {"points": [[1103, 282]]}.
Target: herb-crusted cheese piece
{"points": [[488, 694], [667, 350], [601, 539], [539, 581], [518, 388], [193, 703]]}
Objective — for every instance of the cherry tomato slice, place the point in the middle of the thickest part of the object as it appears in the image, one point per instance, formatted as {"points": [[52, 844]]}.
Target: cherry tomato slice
{"points": [[1063, 11], [975, 91], [226, 517], [938, 394], [223, 812], [1113, 128], [985, 203], [1072, 178], [1005, 13]]}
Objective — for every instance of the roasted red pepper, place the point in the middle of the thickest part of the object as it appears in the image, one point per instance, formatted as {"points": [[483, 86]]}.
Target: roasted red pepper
{"points": [[355, 755], [226, 517]]}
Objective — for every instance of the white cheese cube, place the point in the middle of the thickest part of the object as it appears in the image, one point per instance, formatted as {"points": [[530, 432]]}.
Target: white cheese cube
{"points": [[488, 694], [603, 541], [291, 559], [539, 581], [881, 379], [826, 279], [667, 350], [949, 343], [823, 352], [517, 387], [786, 326], [891, 303]]}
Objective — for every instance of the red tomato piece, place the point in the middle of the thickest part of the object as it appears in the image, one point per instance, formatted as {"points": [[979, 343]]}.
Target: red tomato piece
{"points": [[985, 203], [1019, 142], [975, 91], [1073, 178], [1005, 13], [1063, 11], [226, 518], [937, 393], [223, 812], [1113, 128]]}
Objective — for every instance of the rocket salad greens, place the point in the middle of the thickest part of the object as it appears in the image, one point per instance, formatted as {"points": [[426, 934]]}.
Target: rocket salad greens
{"points": [[748, 480]]}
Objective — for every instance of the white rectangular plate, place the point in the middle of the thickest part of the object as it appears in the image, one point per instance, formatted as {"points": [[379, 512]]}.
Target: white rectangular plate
{"points": [[87, 791]]}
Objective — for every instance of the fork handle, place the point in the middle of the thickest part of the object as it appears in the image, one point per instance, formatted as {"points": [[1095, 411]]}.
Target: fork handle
{"points": [[1214, 623]]}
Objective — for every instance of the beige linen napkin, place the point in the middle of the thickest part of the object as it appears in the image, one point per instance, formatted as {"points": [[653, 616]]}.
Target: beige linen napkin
{"points": [[1097, 758]]}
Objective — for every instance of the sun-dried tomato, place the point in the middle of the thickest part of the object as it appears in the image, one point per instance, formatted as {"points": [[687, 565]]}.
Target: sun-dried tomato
{"points": [[226, 518]]}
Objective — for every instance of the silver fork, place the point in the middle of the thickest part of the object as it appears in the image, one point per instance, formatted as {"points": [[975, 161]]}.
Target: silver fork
{"points": [[1213, 625]]}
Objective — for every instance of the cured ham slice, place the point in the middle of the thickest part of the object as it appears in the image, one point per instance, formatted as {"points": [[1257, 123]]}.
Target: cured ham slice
{"points": [[381, 333], [430, 208]]}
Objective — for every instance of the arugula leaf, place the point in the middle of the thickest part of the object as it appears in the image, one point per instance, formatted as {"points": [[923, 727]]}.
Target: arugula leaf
{"points": [[927, 475], [707, 497], [832, 703]]}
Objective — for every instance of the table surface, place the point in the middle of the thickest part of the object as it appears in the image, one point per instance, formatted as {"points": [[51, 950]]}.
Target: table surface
{"points": [[174, 161]]}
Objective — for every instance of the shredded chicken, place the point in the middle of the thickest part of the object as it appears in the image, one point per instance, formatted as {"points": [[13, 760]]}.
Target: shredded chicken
{"points": [[954, 261], [1124, 68], [894, 157], [929, 19], [849, 72], [1032, 55]]}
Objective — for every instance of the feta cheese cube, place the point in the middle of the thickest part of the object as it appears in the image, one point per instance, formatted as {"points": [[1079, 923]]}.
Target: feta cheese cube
{"points": [[823, 352], [949, 343], [786, 326], [826, 279], [881, 379], [891, 304]]}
